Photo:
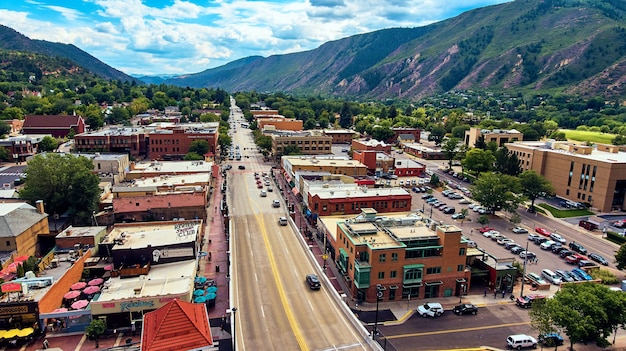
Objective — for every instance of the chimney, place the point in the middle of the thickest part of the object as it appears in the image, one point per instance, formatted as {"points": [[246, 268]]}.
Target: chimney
{"points": [[39, 204]]}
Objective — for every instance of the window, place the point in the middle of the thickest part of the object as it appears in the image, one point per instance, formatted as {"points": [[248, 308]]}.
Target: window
{"points": [[381, 275], [394, 256], [460, 268], [433, 270], [393, 274], [382, 257], [462, 251]]}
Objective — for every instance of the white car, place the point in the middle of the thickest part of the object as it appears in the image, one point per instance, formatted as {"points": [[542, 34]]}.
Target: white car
{"points": [[430, 309], [557, 237], [547, 245], [519, 230]]}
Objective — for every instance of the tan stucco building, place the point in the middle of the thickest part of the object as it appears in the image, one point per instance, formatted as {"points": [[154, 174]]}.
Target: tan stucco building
{"points": [[499, 136], [589, 174], [309, 142], [331, 165]]}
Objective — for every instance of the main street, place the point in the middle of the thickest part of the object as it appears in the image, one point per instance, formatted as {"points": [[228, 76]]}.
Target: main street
{"points": [[275, 309]]}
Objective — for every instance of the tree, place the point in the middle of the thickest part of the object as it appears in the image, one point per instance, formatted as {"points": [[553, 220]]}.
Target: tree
{"points": [[292, 150], [437, 134], [381, 133], [449, 148], [199, 147], [5, 155], [95, 329], [480, 142], [478, 160], [4, 129], [534, 185], [506, 162], [192, 156], [345, 116], [497, 191], [620, 257], [48, 143], [434, 180], [64, 183], [619, 140]]}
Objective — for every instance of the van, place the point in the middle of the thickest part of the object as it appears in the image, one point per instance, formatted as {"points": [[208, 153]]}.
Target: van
{"points": [[551, 276], [519, 341]]}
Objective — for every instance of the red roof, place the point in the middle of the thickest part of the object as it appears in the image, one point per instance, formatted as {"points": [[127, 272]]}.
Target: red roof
{"points": [[52, 121], [178, 325]]}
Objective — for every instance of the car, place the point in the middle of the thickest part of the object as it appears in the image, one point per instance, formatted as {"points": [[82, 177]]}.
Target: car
{"points": [[574, 246], [533, 236], [427, 196], [471, 243], [415, 189], [241, 167], [270, 189], [565, 252], [449, 210], [504, 241], [275, 203], [466, 308], [518, 341], [527, 255], [263, 193], [542, 231], [564, 276], [581, 273], [536, 278], [488, 234], [541, 240], [510, 245], [620, 224], [430, 309], [575, 277], [458, 216], [485, 229], [527, 300], [586, 263], [519, 230], [599, 259], [557, 249], [282, 221], [259, 185], [571, 259], [464, 201], [516, 250], [313, 281], [547, 245], [551, 339], [557, 237]]}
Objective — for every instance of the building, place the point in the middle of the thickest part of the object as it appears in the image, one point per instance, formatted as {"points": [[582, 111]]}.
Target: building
{"points": [[371, 145], [110, 167], [80, 237], [131, 141], [595, 175], [376, 162], [329, 164], [408, 168], [19, 147], [278, 123], [308, 142], [499, 136], [172, 142], [341, 136], [422, 151], [334, 199], [407, 255], [139, 170], [59, 126], [20, 227], [415, 132]]}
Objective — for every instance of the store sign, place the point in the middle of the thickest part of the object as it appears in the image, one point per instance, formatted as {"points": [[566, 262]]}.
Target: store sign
{"points": [[11, 287]]}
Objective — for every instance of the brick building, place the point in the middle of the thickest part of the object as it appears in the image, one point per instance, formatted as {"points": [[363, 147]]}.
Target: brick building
{"points": [[59, 126], [499, 136], [341, 136], [173, 142], [132, 141], [279, 123], [308, 142], [333, 199]]}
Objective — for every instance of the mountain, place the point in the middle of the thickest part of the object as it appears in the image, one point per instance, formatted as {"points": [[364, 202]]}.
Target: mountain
{"points": [[571, 46], [14, 41]]}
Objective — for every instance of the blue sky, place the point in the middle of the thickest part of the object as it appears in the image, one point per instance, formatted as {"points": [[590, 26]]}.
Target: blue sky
{"points": [[176, 37]]}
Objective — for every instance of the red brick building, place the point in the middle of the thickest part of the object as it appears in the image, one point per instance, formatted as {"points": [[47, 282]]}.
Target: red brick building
{"points": [[173, 143], [416, 132], [115, 140], [132, 204], [408, 168], [59, 126], [351, 199]]}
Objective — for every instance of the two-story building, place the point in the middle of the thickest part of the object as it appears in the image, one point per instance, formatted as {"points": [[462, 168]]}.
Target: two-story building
{"points": [[498, 136], [307, 142]]}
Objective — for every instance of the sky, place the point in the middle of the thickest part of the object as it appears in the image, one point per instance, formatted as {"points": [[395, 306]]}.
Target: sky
{"points": [[163, 37]]}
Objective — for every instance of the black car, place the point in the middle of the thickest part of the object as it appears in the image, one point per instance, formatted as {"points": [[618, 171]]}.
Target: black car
{"points": [[551, 339], [557, 249], [574, 246], [565, 252], [466, 308], [241, 167], [313, 281], [448, 210], [599, 259], [516, 249]]}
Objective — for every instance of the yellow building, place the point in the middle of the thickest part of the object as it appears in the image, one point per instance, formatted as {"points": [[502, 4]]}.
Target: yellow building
{"points": [[594, 175], [20, 225], [308, 142], [499, 136], [330, 165]]}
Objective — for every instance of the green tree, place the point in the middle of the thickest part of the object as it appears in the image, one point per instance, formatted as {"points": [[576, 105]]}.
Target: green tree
{"points": [[437, 134], [506, 162], [534, 185], [4, 129], [48, 144], [483, 220], [497, 191], [199, 147], [478, 161], [12, 113], [382, 133], [95, 329], [64, 183], [193, 156], [449, 149], [480, 142], [619, 140], [620, 257], [345, 116], [292, 150], [434, 180], [5, 155]]}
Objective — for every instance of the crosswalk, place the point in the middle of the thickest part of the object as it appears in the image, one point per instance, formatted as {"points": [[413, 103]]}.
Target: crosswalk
{"points": [[18, 174]]}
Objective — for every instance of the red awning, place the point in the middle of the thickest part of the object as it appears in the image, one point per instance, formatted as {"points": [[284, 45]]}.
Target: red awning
{"points": [[295, 191]]}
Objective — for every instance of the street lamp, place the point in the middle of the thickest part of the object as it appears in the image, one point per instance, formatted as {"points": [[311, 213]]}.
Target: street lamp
{"points": [[461, 290], [524, 271], [379, 296], [233, 310]]}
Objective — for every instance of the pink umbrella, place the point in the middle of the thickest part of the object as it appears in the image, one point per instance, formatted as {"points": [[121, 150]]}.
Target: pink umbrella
{"points": [[20, 258], [96, 281], [78, 286], [80, 304], [12, 268], [62, 309], [108, 267], [71, 295], [90, 290]]}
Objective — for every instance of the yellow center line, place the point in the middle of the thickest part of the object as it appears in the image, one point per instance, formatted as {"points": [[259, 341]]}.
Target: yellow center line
{"points": [[456, 330]]}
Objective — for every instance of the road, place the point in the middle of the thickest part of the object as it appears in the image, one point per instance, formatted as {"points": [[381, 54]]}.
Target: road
{"points": [[275, 308]]}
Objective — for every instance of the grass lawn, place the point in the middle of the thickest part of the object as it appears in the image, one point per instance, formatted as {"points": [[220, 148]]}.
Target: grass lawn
{"points": [[565, 213], [583, 135]]}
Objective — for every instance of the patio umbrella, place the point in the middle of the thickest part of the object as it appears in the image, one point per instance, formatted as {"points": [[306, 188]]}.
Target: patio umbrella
{"points": [[108, 267], [10, 334], [12, 268], [80, 304], [90, 290], [61, 309], [2, 332], [212, 289], [200, 280], [25, 332], [71, 294], [78, 286], [21, 258], [198, 292], [199, 299], [96, 281], [210, 296]]}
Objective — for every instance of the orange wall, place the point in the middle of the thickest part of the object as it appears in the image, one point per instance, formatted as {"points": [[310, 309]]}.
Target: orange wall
{"points": [[54, 297]]}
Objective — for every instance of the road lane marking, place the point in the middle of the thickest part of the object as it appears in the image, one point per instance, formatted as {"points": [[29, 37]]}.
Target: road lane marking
{"points": [[456, 330]]}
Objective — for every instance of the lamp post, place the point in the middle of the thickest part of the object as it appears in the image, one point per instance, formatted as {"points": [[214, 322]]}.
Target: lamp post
{"points": [[379, 296], [524, 271], [233, 310], [461, 288], [324, 255]]}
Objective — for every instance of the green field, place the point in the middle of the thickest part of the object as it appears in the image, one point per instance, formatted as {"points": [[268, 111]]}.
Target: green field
{"points": [[583, 135], [565, 213]]}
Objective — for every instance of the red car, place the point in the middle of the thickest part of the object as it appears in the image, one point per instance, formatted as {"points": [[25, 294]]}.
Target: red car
{"points": [[485, 229], [575, 258], [542, 231]]}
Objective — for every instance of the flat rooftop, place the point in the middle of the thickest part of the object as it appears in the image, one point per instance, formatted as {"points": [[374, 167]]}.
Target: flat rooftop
{"points": [[172, 167], [603, 156], [174, 180], [139, 236], [162, 280], [342, 191]]}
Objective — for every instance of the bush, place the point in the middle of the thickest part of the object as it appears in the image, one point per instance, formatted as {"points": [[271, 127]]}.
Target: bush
{"points": [[606, 276]]}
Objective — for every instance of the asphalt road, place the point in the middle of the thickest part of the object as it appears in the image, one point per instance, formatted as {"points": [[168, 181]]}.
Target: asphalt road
{"points": [[276, 310], [10, 173]]}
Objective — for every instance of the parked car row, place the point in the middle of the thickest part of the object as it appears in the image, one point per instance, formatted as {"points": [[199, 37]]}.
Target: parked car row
{"points": [[440, 205]]}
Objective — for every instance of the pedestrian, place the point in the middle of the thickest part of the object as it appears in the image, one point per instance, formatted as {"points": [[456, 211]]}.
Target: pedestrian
{"points": [[45, 344], [503, 292], [495, 293], [485, 295]]}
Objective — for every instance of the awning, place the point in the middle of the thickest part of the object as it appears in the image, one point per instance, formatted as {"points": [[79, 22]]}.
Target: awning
{"points": [[393, 287], [413, 285], [437, 282], [295, 191]]}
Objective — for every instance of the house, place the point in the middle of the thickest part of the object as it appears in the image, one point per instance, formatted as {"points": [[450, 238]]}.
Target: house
{"points": [[59, 126], [20, 226]]}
